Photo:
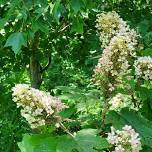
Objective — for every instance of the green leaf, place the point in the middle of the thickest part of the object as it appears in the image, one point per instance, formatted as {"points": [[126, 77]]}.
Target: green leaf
{"points": [[77, 25], [40, 25], [147, 52], [145, 93], [115, 119], [143, 26], [136, 120], [84, 141], [68, 89], [38, 143], [16, 41], [88, 141], [148, 39], [76, 5], [2, 22], [66, 144], [67, 113], [57, 10], [40, 11]]}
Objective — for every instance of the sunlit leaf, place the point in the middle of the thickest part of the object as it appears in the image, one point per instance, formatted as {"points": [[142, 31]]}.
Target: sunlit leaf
{"points": [[16, 41]]}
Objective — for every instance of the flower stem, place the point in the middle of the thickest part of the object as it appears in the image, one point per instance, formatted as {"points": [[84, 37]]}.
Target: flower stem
{"points": [[66, 130], [104, 112]]}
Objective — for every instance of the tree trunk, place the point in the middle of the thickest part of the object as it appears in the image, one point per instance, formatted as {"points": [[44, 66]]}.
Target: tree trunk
{"points": [[35, 73], [36, 76]]}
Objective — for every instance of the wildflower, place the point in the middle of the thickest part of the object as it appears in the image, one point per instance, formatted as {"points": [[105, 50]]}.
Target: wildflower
{"points": [[143, 68], [109, 25], [114, 62], [125, 140], [38, 107], [120, 101], [119, 43]]}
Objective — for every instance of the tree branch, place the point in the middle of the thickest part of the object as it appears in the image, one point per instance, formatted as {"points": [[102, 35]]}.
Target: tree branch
{"points": [[64, 28], [47, 66]]}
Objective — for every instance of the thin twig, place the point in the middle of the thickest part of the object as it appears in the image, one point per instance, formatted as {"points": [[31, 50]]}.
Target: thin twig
{"points": [[64, 28]]}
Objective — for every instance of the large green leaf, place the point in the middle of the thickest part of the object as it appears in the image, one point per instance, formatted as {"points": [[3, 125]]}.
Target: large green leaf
{"points": [[137, 121], [84, 141], [38, 143], [66, 144], [88, 141], [16, 41]]}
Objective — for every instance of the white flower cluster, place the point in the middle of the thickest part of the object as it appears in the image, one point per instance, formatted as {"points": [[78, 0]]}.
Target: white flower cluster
{"points": [[126, 140], [110, 24], [120, 101], [143, 68], [114, 62], [38, 107]]}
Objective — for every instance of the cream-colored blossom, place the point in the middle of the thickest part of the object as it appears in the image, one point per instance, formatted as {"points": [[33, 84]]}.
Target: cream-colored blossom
{"points": [[38, 107], [143, 68], [119, 42], [120, 101], [109, 25], [125, 140], [114, 62]]}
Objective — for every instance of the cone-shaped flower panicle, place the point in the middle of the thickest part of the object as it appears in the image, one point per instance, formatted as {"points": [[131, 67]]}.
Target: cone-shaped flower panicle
{"points": [[38, 107]]}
